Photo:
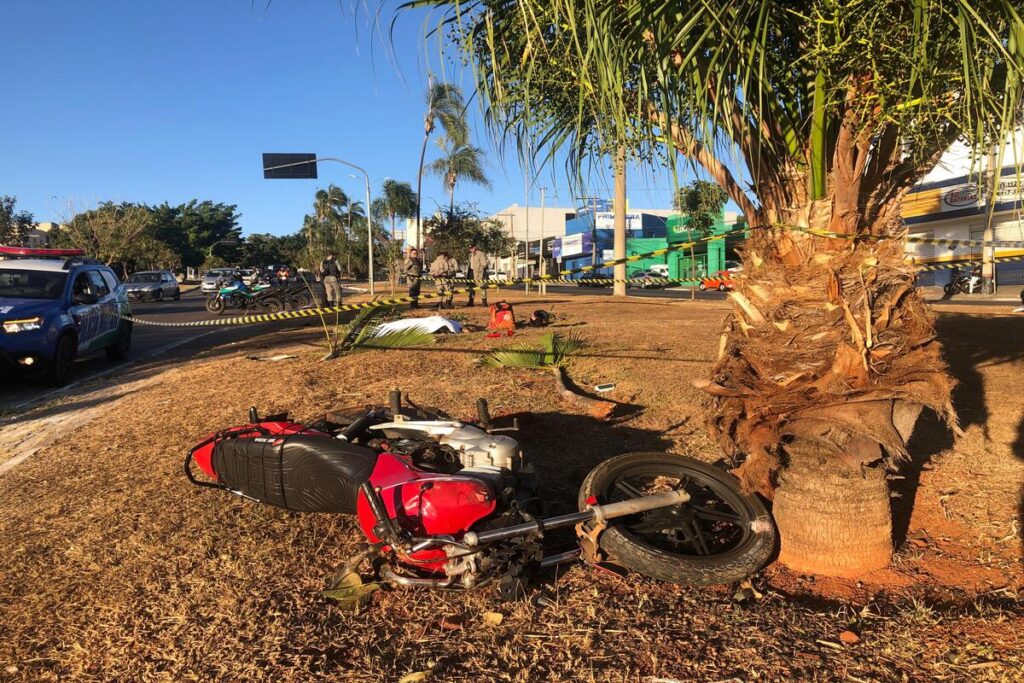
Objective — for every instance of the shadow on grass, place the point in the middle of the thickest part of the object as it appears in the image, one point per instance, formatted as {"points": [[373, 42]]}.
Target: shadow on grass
{"points": [[970, 343]]}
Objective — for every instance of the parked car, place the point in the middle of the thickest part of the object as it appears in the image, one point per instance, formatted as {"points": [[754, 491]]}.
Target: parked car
{"points": [[722, 281], [250, 276], [152, 285], [497, 275], [54, 306], [649, 279], [593, 279], [213, 277]]}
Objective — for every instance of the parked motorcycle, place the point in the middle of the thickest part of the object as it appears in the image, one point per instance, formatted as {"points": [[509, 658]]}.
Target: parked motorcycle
{"points": [[259, 298], [449, 504], [965, 280]]}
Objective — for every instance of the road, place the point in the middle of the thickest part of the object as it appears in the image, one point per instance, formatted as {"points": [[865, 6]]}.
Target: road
{"points": [[149, 344]]}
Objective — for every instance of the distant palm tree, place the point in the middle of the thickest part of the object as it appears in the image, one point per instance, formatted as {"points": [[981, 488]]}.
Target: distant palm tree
{"points": [[445, 106], [398, 201], [460, 161], [327, 207]]}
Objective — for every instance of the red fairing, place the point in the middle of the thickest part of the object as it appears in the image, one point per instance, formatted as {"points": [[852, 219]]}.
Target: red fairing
{"points": [[426, 504], [204, 452]]}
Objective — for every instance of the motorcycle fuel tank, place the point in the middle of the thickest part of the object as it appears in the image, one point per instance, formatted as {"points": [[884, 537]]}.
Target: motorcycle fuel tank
{"points": [[426, 504]]}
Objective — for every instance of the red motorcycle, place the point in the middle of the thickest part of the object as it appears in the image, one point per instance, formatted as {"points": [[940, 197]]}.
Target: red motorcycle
{"points": [[451, 504]]}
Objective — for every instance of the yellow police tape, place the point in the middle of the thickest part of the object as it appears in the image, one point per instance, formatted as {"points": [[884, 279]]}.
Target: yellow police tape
{"points": [[913, 239], [542, 279]]}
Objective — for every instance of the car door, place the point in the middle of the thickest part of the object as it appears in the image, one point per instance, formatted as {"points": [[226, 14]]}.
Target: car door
{"points": [[85, 316], [106, 308], [167, 284]]}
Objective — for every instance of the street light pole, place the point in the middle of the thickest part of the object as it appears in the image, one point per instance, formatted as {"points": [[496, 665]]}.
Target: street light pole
{"points": [[369, 222]]}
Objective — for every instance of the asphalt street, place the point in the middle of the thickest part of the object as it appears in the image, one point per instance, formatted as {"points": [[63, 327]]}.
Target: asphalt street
{"points": [[149, 344]]}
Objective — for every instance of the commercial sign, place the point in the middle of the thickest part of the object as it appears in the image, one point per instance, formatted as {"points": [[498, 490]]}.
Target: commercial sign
{"points": [[571, 245], [606, 221], [931, 203]]}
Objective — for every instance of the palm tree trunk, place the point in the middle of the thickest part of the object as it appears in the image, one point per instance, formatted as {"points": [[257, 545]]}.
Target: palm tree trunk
{"points": [[819, 383], [832, 520], [419, 185]]}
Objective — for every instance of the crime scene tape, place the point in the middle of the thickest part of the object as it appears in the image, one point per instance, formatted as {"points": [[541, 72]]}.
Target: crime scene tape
{"points": [[496, 284], [493, 284]]}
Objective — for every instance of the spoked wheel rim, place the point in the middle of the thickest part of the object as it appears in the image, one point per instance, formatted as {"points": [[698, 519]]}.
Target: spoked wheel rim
{"points": [[715, 523]]}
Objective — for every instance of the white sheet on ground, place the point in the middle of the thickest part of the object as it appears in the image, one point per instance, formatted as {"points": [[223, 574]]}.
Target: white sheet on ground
{"points": [[432, 323]]}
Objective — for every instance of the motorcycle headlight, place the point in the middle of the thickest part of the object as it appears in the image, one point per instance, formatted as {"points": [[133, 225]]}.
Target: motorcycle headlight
{"points": [[24, 325]]}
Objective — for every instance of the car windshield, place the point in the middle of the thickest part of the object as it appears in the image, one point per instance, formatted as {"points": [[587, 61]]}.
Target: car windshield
{"points": [[31, 284], [145, 277], [218, 273]]}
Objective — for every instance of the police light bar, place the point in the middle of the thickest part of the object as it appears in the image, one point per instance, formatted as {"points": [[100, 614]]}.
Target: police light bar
{"points": [[42, 253]]}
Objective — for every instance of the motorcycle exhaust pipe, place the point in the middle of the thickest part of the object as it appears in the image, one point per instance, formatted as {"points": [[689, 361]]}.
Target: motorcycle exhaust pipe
{"points": [[598, 513]]}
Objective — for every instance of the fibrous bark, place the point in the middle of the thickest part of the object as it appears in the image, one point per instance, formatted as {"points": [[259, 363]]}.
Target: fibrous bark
{"points": [[830, 351]]}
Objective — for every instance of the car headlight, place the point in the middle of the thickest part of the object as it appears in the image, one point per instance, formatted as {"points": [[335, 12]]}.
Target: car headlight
{"points": [[24, 325]]}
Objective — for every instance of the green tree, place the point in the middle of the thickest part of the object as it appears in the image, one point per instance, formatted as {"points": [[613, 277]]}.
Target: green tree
{"points": [[397, 201], [701, 202], [833, 111], [120, 235], [459, 161], [445, 106], [456, 230], [14, 225], [263, 249], [195, 229]]}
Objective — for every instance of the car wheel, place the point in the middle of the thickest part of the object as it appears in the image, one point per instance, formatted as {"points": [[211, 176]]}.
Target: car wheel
{"points": [[60, 366], [722, 287], [702, 287], [177, 294], [122, 345]]}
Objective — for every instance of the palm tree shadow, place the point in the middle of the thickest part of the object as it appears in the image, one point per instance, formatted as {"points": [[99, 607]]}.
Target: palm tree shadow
{"points": [[969, 343]]}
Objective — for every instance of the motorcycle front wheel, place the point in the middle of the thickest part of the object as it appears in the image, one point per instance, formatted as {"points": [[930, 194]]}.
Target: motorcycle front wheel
{"points": [[950, 288], [271, 305], [215, 304], [721, 535]]}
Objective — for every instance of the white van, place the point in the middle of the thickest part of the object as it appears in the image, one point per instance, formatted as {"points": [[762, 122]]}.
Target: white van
{"points": [[661, 269]]}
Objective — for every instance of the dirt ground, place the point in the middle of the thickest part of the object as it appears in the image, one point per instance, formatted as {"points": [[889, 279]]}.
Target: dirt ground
{"points": [[114, 568]]}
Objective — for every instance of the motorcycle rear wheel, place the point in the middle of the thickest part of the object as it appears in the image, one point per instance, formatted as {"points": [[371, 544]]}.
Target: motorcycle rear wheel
{"points": [[721, 536], [272, 305]]}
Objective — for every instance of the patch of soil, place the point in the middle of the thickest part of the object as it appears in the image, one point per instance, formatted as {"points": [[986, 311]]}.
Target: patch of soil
{"points": [[115, 568]]}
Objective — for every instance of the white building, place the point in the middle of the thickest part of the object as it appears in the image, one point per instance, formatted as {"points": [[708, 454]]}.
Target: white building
{"points": [[947, 204]]}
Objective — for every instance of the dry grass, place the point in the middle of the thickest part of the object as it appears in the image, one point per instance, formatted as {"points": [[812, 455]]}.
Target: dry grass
{"points": [[114, 568]]}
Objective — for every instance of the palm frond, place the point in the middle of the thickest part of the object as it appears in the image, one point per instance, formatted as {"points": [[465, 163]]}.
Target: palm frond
{"points": [[551, 350], [397, 339]]}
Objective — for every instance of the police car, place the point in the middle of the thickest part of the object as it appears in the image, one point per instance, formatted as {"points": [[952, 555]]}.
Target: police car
{"points": [[56, 305]]}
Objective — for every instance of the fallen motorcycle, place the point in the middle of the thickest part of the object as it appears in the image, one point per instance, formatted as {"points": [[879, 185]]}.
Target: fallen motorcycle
{"points": [[450, 504]]}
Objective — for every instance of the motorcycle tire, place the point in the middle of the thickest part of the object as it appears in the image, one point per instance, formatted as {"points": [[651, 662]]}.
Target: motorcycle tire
{"points": [[216, 305], [741, 535], [950, 288], [271, 305], [301, 300]]}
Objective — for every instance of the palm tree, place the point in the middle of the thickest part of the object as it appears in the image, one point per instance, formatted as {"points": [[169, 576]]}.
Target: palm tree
{"points": [[327, 209], [445, 106], [459, 161], [813, 116], [398, 201]]}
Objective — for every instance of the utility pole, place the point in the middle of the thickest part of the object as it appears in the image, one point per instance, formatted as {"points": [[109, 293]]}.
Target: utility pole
{"points": [[619, 288], [543, 262], [988, 266]]}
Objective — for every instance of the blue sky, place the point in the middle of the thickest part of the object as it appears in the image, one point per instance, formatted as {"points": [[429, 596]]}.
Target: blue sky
{"points": [[169, 100]]}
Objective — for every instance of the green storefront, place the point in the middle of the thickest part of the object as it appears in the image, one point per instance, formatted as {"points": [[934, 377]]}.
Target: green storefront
{"points": [[704, 259]]}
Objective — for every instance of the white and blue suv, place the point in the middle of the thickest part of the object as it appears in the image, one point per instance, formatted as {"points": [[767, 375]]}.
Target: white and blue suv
{"points": [[54, 306]]}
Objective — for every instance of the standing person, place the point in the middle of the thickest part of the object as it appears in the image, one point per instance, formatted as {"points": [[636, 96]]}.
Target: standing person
{"points": [[443, 269], [477, 271], [329, 274], [413, 269]]}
